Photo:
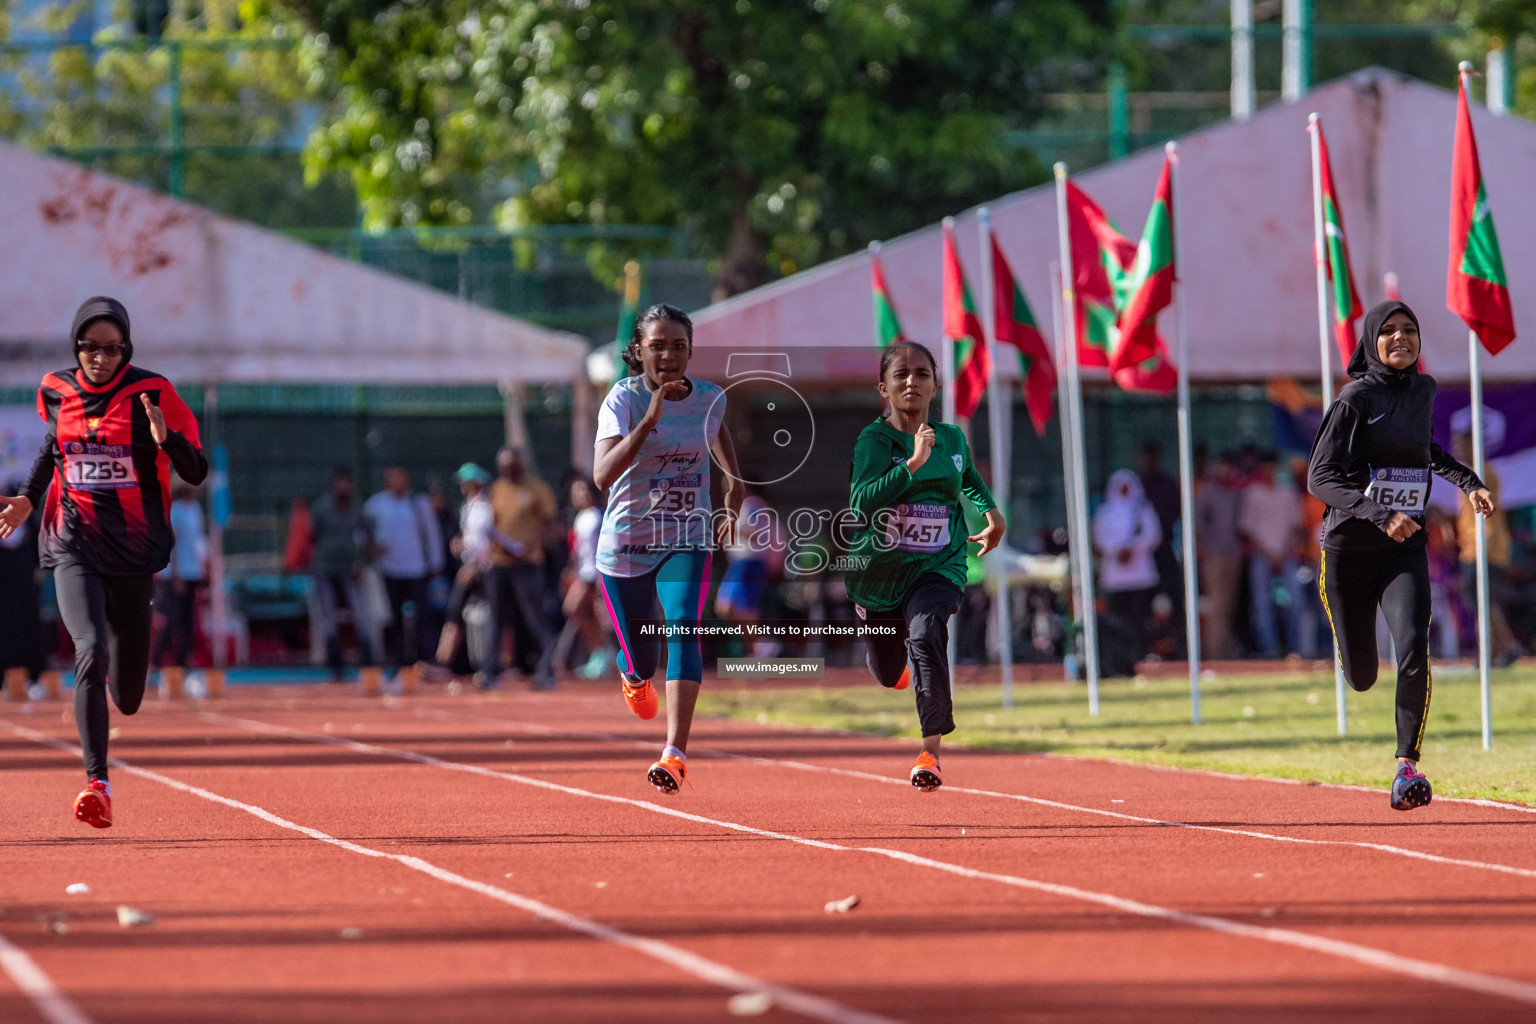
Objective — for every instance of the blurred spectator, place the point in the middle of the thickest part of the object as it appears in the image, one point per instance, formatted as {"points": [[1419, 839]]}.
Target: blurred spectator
{"points": [[183, 579], [410, 553], [740, 596], [523, 509], [342, 544], [1220, 556], [1315, 633], [1270, 521], [1126, 532], [1444, 552], [299, 548], [1162, 492], [470, 546], [1501, 642], [21, 624], [580, 602]]}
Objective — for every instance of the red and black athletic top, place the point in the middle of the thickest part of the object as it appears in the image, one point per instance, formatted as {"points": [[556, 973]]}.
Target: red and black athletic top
{"points": [[107, 482]]}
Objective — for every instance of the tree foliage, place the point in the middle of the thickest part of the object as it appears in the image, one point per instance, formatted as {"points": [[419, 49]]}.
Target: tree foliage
{"points": [[778, 132]]}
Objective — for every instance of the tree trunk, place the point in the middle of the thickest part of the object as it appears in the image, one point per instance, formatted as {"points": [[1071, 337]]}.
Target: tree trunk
{"points": [[743, 265]]}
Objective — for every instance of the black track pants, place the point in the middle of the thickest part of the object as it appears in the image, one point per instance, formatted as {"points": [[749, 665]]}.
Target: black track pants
{"points": [[108, 618], [922, 635], [1397, 581]]}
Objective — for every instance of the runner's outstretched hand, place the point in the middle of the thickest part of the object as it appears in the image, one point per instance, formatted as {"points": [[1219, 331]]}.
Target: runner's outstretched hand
{"points": [[1482, 501], [992, 534], [922, 447], [16, 512]]}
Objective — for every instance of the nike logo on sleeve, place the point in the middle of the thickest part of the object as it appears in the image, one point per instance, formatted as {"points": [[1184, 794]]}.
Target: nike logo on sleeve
{"points": [[1375, 418]]}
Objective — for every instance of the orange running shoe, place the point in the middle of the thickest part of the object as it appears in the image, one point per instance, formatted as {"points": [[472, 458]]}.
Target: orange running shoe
{"points": [[925, 773], [668, 774], [905, 680], [94, 804], [641, 699]]}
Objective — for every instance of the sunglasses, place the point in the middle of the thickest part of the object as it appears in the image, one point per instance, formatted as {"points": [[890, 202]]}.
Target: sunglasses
{"points": [[110, 351]]}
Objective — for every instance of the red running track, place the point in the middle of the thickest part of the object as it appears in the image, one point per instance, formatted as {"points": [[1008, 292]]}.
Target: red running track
{"points": [[310, 855]]}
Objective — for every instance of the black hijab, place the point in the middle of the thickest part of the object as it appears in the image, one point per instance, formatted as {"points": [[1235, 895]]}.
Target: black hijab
{"points": [[100, 307], [1366, 363]]}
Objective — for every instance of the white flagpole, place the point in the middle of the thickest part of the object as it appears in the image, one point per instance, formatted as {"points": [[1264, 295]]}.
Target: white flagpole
{"points": [[1084, 538], [1186, 457], [1320, 257], [1066, 421], [996, 396], [947, 376], [1481, 532], [1482, 541]]}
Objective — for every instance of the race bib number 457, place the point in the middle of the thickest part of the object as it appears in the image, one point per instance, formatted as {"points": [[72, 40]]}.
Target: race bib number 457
{"points": [[99, 467], [1401, 490]]}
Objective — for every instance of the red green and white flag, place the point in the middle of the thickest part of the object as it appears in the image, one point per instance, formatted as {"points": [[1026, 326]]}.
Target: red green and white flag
{"points": [[629, 308], [1016, 326], [887, 325], [1102, 264], [1476, 289], [1150, 288], [961, 324], [1347, 307]]}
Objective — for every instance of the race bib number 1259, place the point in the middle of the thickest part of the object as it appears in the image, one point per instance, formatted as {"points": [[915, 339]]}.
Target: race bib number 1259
{"points": [[99, 467]]}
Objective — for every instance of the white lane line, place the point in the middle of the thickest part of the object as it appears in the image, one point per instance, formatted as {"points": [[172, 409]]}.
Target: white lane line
{"points": [[51, 1004], [715, 973], [1471, 801], [1396, 851], [1455, 977]]}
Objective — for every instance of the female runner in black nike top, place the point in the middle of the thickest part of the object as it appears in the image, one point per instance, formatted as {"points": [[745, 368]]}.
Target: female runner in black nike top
{"points": [[114, 432], [1371, 465]]}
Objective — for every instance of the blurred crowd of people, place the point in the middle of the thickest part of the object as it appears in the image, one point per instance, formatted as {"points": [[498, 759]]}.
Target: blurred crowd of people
{"points": [[1257, 536], [503, 577]]}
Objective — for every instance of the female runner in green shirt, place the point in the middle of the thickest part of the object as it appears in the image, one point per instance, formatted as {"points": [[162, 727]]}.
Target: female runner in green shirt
{"points": [[908, 477]]}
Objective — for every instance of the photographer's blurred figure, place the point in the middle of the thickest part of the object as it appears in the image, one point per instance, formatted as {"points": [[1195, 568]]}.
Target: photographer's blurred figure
{"points": [[183, 579], [472, 547]]}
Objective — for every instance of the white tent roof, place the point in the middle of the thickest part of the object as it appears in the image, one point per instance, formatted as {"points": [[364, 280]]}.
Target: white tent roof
{"points": [[216, 300], [1245, 242]]}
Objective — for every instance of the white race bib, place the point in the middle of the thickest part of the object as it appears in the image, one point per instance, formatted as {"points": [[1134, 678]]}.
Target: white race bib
{"points": [[1401, 490], [923, 529], [676, 495], [99, 467]]}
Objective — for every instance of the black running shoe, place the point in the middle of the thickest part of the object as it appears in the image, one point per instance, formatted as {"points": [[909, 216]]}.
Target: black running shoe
{"points": [[1410, 789]]}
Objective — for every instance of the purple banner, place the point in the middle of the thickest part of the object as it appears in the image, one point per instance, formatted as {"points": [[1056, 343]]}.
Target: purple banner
{"points": [[1509, 422]]}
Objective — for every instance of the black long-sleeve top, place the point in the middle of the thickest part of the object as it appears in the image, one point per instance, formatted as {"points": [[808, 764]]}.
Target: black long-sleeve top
{"points": [[1376, 424]]}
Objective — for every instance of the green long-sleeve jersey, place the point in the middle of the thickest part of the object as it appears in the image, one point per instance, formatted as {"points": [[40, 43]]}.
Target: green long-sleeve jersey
{"points": [[912, 523]]}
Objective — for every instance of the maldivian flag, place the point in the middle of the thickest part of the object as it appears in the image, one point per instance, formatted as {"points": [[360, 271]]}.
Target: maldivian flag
{"points": [[1475, 289], [887, 324], [1016, 326], [1102, 264], [1346, 301], [1150, 288], [629, 308], [972, 364]]}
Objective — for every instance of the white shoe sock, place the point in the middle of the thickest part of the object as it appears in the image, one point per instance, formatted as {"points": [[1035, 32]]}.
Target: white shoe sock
{"points": [[671, 751]]}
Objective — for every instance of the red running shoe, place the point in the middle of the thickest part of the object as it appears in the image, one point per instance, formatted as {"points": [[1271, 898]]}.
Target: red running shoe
{"points": [[668, 774], [640, 698], [925, 773], [94, 804], [905, 680]]}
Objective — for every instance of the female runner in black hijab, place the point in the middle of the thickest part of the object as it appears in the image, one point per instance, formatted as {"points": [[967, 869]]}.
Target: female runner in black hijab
{"points": [[1371, 465]]}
